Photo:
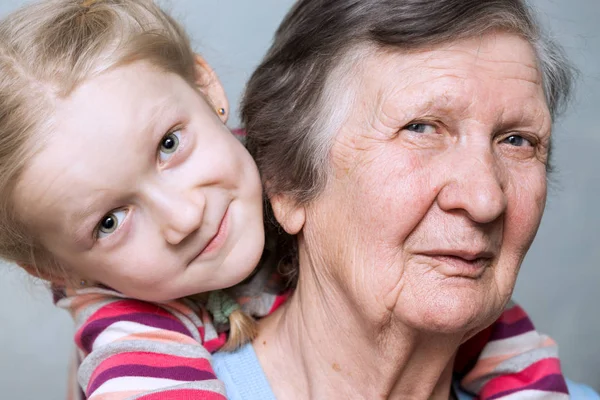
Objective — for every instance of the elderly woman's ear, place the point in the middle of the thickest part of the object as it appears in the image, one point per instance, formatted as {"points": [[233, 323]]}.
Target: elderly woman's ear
{"points": [[289, 213]]}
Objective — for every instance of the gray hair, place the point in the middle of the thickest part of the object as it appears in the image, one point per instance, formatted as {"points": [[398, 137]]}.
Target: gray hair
{"points": [[298, 97]]}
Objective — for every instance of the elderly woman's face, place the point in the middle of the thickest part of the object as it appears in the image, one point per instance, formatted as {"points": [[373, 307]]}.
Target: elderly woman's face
{"points": [[439, 184]]}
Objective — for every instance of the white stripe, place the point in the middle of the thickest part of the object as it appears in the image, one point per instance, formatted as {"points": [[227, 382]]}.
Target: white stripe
{"points": [[535, 395], [134, 383], [147, 384], [513, 345], [119, 330]]}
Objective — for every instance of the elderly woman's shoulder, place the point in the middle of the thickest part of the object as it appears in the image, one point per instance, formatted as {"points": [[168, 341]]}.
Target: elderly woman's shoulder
{"points": [[579, 391]]}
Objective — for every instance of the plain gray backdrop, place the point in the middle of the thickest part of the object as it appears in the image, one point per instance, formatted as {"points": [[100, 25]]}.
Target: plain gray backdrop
{"points": [[558, 284]]}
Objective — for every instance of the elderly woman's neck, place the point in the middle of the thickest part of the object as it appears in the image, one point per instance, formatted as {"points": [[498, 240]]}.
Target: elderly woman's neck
{"points": [[319, 347]]}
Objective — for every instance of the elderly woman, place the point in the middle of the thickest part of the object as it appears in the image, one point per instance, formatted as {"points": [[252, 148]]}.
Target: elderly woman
{"points": [[404, 146]]}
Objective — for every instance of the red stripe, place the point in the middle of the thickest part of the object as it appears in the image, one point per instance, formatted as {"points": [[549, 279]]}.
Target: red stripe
{"points": [[215, 344], [279, 300], [184, 394], [127, 306], [151, 359], [238, 132], [512, 315], [531, 374]]}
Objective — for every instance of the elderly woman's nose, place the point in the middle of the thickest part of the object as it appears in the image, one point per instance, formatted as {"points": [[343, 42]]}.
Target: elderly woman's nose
{"points": [[474, 185]]}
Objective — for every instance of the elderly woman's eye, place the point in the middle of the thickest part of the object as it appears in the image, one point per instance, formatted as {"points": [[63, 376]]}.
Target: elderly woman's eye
{"points": [[420, 128], [110, 223], [168, 145], [517, 141]]}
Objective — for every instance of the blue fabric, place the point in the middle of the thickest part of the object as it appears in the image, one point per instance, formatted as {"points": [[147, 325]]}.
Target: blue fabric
{"points": [[242, 375], [581, 392], [244, 379]]}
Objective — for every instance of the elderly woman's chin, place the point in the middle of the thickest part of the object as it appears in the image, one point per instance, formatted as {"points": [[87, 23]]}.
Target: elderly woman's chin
{"points": [[440, 304]]}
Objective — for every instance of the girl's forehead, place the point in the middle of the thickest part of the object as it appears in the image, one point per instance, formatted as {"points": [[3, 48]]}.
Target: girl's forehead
{"points": [[102, 129]]}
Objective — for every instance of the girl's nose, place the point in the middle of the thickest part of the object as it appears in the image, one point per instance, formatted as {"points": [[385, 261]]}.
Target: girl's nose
{"points": [[179, 214]]}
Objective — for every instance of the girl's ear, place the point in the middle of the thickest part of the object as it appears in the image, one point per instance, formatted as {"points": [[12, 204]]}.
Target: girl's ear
{"points": [[42, 274], [208, 83], [290, 215]]}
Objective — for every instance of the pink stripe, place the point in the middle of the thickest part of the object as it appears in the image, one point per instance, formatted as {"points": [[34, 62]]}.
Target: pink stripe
{"points": [[147, 358], [182, 374], [238, 132], [549, 384], [279, 300], [514, 314], [184, 394], [531, 374], [213, 345], [128, 306]]}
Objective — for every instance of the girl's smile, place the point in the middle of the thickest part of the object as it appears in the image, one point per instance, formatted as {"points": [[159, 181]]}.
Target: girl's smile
{"points": [[137, 177]]}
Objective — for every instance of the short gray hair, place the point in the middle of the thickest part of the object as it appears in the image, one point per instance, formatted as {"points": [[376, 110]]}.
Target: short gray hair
{"points": [[297, 98]]}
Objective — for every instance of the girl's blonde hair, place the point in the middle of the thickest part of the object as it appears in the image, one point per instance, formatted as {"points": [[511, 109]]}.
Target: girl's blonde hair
{"points": [[49, 48]]}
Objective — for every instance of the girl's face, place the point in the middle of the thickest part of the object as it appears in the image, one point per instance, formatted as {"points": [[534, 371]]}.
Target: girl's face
{"points": [[142, 188]]}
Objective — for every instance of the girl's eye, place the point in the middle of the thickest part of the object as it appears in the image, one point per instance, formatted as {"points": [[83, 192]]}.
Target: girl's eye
{"points": [[420, 128], [517, 141], [168, 145], [110, 223]]}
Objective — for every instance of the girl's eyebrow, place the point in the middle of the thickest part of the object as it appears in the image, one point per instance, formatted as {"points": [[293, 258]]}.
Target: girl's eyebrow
{"points": [[83, 219], [158, 112], [157, 123]]}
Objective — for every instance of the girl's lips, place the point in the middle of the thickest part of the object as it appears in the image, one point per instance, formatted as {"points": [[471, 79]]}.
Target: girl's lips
{"points": [[219, 237]]}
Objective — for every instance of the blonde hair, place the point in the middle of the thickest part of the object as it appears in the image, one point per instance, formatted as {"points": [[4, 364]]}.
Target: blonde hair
{"points": [[49, 48]]}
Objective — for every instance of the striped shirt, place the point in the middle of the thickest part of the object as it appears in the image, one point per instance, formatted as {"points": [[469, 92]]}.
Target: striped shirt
{"points": [[130, 349]]}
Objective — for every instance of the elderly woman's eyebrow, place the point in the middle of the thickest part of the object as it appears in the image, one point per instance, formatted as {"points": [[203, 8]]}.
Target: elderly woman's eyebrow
{"points": [[451, 109], [405, 105]]}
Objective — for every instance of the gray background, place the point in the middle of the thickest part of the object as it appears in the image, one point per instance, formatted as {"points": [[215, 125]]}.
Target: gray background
{"points": [[559, 281]]}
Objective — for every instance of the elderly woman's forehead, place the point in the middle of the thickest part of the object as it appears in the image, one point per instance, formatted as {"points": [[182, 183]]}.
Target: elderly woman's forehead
{"points": [[508, 55], [494, 79]]}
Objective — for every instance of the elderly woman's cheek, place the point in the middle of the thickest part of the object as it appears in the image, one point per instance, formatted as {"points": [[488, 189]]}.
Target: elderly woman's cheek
{"points": [[526, 194], [397, 195], [527, 200]]}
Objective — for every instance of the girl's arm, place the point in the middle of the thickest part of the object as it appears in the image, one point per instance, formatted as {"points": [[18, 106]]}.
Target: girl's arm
{"points": [[131, 349], [511, 358]]}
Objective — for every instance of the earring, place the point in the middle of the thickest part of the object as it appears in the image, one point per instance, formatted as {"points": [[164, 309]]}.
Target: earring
{"points": [[83, 282], [221, 111]]}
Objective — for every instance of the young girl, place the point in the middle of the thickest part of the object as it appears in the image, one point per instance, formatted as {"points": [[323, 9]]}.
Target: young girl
{"points": [[123, 188]]}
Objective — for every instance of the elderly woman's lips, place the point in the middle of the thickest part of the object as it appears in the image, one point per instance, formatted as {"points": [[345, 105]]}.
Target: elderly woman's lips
{"points": [[466, 266]]}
